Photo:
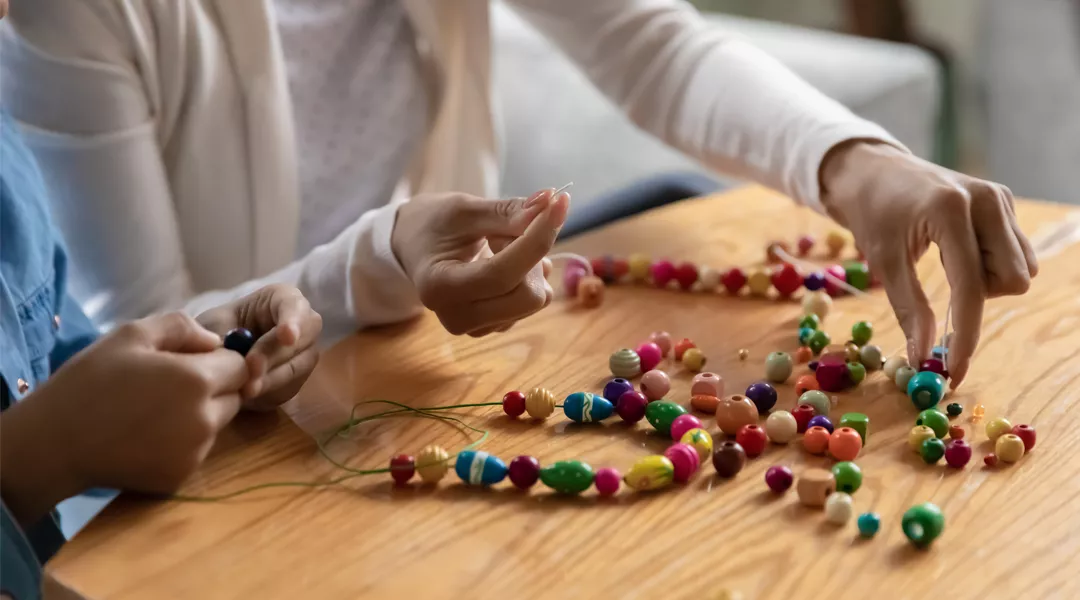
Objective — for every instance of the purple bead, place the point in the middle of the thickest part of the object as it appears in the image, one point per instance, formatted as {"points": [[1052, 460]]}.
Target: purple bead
{"points": [[615, 388], [631, 406], [762, 395], [607, 481], [814, 282], [812, 365], [571, 278], [934, 365], [820, 421], [779, 478], [524, 471]]}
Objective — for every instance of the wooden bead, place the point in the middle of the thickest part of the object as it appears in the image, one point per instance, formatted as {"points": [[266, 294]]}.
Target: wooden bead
{"points": [[524, 471], [639, 266], [903, 377], [402, 468], [655, 385], [567, 476], [779, 478], [707, 383], [778, 367], [238, 340], [601, 268], [998, 427], [625, 363], [687, 275], [513, 404], [744, 354], [476, 467], [803, 413], [861, 333], [838, 508], [869, 524], [818, 399], [539, 403], [857, 275], [649, 355], [572, 277], [693, 359], [700, 440], [870, 357], [954, 409], [918, 435], [650, 473], [856, 372], [631, 406], [1027, 434], [922, 524], [681, 347], [816, 440], [607, 482], [990, 460], [851, 352], [814, 282], [956, 432], [733, 280], [584, 407], [759, 283], [591, 291], [614, 389], [786, 280], [893, 364], [684, 458], [728, 459], [821, 421], [934, 419], [805, 244], [803, 354], [848, 476], [806, 383], [835, 242], [815, 486], [708, 279], [818, 341], [753, 439], [432, 463], [662, 339], [834, 274], [1009, 447], [934, 365], [926, 389], [682, 424], [705, 403], [619, 268], [781, 427], [662, 414], [762, 395], [857, 421], [662, 272], [735, 411], [957, 453], [932, 450]]}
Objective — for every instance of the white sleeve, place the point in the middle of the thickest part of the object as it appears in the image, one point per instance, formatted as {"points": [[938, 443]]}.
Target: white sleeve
{"points": [[705, 92]]}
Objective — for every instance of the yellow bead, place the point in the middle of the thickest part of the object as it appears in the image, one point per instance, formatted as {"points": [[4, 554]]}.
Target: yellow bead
{"points": [[639, 267], [918, 435], [759, 283], [701, 441], [1009, 448], [835, 241], [817, 303], [997, 428], [851, 352], [693, 359], [431, 463], [650, 473], [540, 403]]}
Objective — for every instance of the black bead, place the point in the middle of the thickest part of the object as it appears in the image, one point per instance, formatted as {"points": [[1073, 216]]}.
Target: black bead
{"points": [[813, 365], [954, 409], [239, 340]]}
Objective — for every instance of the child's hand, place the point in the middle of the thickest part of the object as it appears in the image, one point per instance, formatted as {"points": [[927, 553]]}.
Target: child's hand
{"points": [[479, 264], [896, 204], [138, 410], [284, 354]]}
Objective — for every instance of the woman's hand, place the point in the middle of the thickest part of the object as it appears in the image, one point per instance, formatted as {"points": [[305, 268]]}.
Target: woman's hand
{"points": [[284, 354], [896, 204], [479, 264]]}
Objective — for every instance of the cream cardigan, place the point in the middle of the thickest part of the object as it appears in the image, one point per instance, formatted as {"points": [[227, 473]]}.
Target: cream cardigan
{"points": [[164, 129]]}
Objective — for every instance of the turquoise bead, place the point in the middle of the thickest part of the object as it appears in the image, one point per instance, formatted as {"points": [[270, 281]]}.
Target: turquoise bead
{"points": [[661, 414], [922, 524], [934, 419], [568, 476], [926, 389], [475, 467], [869, 523], [804, 335], [810, 321], [584, 407]]}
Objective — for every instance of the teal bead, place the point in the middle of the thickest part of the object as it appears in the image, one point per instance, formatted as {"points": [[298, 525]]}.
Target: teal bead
{"points": [[660, 414], [856, 372], [810, 321], [475, 467], [584, 407], [857, 275], [868, 523], [568, 476], [934, 419], [804, 335], [926, 389], [857, 421], [818, 341], [848, 477], [932, 450], [922, 524], [861, 332]]}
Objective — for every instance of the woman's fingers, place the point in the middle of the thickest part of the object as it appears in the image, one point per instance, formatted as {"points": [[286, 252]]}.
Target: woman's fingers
{"points": [[907, 297], [288, 376]]}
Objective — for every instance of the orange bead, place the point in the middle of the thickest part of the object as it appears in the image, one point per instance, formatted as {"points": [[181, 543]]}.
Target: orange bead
{"points": [[803, 355], [956, 432], [735, 411], [683, 345], [704, 402], [591, 291], [845, 444], [805, 383], [816, 440]]}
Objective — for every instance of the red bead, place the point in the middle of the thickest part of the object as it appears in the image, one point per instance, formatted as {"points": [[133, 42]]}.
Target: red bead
{"points": [[835, 272], [956, 432], [599, 267], [934, 365], [832, 372], [779, 478], [734, 280], [650, 355], [662, 273], [686, 274], [514, 403], [806, 243], [752, 438], [620, 267], [524, 471], [990, 460], [787, 280], [686, 461], [803, 413], [402, 468], [957, 453], [1027, 434], [631, 406], [771, 254], [683, 345]]}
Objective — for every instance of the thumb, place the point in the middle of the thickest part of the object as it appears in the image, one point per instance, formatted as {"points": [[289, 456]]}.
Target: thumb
{"points": [[177, 332]]}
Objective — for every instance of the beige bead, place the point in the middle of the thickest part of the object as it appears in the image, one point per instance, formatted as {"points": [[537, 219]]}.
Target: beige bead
{"points": [[918, 435], [997, 428], [431, 463], [815, 486], [818, 303], [838, 508], [870, 357], [759, 283], [708, 278], [625, 363], [539, 403], [835, 241], [781, 427], [894, 363], [1009, 448]]}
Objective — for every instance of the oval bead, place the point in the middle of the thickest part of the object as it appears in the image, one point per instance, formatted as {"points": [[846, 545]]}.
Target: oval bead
{"points": [[705, 403], [540, 403], [650, 473], [585, 407], [567, 476], [476, 467], [701, 440], [662, 413]]}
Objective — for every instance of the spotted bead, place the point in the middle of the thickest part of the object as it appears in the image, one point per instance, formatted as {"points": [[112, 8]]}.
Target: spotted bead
{"points": [[700, 440], [567, 476], [584, 407], [662, 414], [476, 467]]}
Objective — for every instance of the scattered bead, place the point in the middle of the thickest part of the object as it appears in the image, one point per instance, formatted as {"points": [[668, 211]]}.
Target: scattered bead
{"points": [[681, 347], [402, 468], [687, 275], [735, 411], [816, 440], [708, 278], [733, 280], [476, 467], [856, 372], [728, 459], [893, 364], [845, 444], [838, 508], [762, 395], [607, 481], [997, 428], [540, 403], [833, 374], [614, 389], [956, 432], [779, 478], [818, 341], [848, 476], [870, 357], [524, 472], [662, 273], [815, 486], [778, 367], [693, 359], [835, 242], [513, 403], [805, 244], [662, 339], [834, 274], [922, 524], [239, 340], [869, 524], [851, 352], [806, 383], [707, 383], [818, 399], [705, 403], [918, 435], [957, 453], [821, 421], [934, 365], [811, 321], [684, 423], [781, 427], [568, 476], [1009, 448], [817, 303], [1027, 434], [744, 354], [857, 421], [431, 463], [803, 354], [655, 385], [990, 460], [931, 450], [787, 280], [650, 473], [802, 414], [584, 407], [934, 419], [639, 267], [812, 365], [814, 282], [955, 409], [590, 291], [926, 389], [805, 333], [759, 283], [631, 406], [649, 355], [662, 414], [857, 275], [700, 440], [979, 411], [904, 374], [684, 458], [752, 438]]}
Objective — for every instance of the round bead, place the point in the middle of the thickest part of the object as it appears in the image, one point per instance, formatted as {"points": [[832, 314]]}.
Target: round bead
{"points": [[681, 347], [735, 411], [1009, 448], [857, 421], [572, 276], [998, 427], [728, 459], [848, 476], [802, 414], [753, 439], [814, 281], [869, 524], [662, 414], [402, 468], [926, 389], [583, 407], [683, 424], [778, 367], [803, 354], [978, 411], [857, 274], [759, 283], [818, 399], [614, 389], [639, 267], [1027, 434], [932, 450], [934, 419], [687, 275], [733, 280], [787, 280], [709, 278], [870, 357], [662, 339], [662, 272], [845, 444], [601, 267], [856, 372], [956, 432], [693, 359], [700, 440], [779, 478], [934, 365], [805, 333], [815, 486], [655, 385], [619, 268], [476, 467], [918, 435], [513, 403], [955, 409], [816, 440], [806, 383], [705, 403], [590, 291], [625, 363], [684, 458], [649, 355], [781, 427], [650, 473], [607, 481], [821, 421], [744, 354], [957, 453], [431, 463], [631, 406], [810, 321], [568, 476], [990, 460], [851, 352], [834, 274], [838, 508], [524, 471], [239, 340], [835, 242], [707, 383], [893, 364], [904, 375], [540, 403], [772, 252], [805, 244], [818, 341], [938, 352], [762, 395], [922, 524]]}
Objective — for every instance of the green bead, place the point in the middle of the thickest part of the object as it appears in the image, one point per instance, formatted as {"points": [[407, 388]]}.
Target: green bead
{"points": [[778, 367], [818, 399], [857, 421], [861, 332], [954, 409], [922, 524], [810, 321], [857, 275], [660, 414], [818, 341], [926, 388], [932, 450], [848, 476], [868, 523], [804, 335], [856, 372], [934, 419], [567, 476]]}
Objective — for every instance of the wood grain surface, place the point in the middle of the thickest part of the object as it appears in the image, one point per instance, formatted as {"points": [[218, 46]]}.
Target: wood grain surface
{"points": [[1010, 532]]}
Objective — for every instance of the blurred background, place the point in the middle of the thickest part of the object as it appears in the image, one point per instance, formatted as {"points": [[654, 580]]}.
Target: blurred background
{"points": [[988, 87]]}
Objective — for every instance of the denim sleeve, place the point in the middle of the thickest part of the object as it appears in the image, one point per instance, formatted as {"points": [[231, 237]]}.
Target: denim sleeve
{"points": [[75, 332], [20, 573]]}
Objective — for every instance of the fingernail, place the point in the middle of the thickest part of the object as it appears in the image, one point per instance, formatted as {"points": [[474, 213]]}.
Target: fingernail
{"points": [[536, 197]]}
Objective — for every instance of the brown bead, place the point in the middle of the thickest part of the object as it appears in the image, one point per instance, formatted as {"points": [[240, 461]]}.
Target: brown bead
{"points": [[591, 291], [728, 459], [851, 352], [735, 411], [814, 487]]}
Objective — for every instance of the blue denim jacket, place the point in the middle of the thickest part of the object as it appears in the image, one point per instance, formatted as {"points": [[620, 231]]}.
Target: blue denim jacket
{"points": [[40, 328]]}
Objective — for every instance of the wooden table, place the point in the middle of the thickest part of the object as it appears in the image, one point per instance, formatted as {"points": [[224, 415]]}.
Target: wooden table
{"points": [[1011, 532]]}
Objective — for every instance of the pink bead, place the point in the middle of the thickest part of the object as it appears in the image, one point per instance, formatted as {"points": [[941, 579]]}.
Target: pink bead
{"points": [[663, 340], [832, 372], [655, 385], [524, 471], [779, 478], [571, 278], [805, 244], [686, 274], [957, 453], [686, 461], [837, 272], [650, 355], [684, 423], [662, 273], [707, 384], [607, 481], [934, 365], [631, 406]]}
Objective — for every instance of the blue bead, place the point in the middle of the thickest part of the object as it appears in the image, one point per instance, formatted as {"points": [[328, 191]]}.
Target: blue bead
{"points": [[479, 468], [820, 421], [584, 407], [926, 389], [615, 388], [814, 281], [804, 335], [869, 523], [938, 352], [239, 340]]}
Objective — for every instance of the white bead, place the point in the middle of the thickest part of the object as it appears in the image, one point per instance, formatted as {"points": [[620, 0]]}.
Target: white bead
{"points": [[818, 303], [838, 508], [709, 278], [903, 376], [894, 363], [870, 357], [781, 427]]}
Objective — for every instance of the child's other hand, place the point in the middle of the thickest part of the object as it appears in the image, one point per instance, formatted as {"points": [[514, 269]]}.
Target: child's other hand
{"points": [[896, 204], [284, 354], [479, 264]]}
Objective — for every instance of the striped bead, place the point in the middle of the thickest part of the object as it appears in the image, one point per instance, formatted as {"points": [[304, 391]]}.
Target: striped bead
{"points": [[540, 403], [475, 467], [585, 407]]}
